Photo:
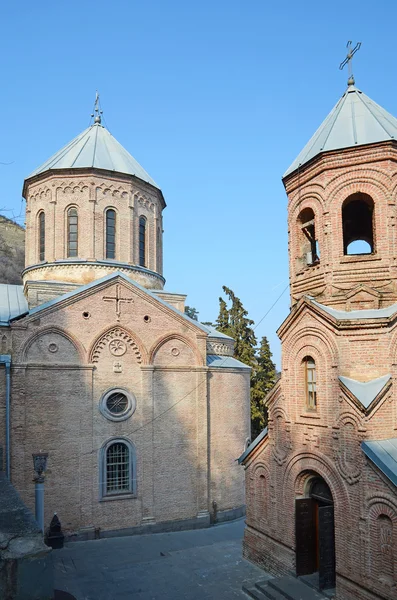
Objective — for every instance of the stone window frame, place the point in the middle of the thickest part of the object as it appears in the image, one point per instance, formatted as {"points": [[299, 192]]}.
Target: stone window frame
{"points": [[308, 359], [143, 241], [104, 496], [126, 414], [41, 235], [105, 237], [70, 208]]}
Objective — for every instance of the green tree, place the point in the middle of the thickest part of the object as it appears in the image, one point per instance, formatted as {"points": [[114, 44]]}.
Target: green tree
{"points": [[263, 379], [191, 312], [234, 321]]}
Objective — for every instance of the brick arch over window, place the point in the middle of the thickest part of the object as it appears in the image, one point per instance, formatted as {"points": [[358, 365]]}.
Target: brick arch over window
{"points": [[259, 506], [358, 224], [121, 335], [291, 488], [382, 547], [48, 347], [313, 336], [175, 349]]}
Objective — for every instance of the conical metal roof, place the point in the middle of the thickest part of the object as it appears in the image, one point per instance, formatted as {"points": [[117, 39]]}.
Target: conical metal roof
{"points": [[95, 147], [356, 120]]}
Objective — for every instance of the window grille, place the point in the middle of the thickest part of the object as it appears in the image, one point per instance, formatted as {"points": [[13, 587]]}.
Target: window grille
{"points": [[72, 249], [118, 469], [311, 383], [111, 233], [117, 403], [42, 236], [142, 242]]}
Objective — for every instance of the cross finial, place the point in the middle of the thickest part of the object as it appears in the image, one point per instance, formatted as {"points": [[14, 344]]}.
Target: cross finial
{"points": [[97, 112], [348, 60]]}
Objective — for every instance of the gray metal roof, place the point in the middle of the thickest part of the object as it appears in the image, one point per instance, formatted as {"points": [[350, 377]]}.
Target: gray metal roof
{"points": [[214, 333], [252, 446], [368, 391], [383, 454], [95, 147], [367, 313], [356, 120], [225, 362], [12, 302]]}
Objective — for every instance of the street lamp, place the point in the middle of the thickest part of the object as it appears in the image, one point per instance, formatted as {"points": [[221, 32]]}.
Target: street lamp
{"points": [[39, 465]]}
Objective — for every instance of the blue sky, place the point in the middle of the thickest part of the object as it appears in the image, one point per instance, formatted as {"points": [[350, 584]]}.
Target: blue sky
{"points": [[214, 99]]}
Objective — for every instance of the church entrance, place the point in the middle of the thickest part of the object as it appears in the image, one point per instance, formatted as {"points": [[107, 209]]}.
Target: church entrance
{"points": [[315, 534]]}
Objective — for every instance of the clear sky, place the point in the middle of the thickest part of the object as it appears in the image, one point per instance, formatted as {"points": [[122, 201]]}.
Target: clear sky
{"points": [[214, 98]]}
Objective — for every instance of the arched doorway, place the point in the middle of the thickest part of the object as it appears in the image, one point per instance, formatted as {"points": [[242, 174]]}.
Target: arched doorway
{"points": [[315, 533]]}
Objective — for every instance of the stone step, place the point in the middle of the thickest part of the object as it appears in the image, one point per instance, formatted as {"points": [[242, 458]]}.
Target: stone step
{"points": [[263, 586], [293, 589], [262, 593]]}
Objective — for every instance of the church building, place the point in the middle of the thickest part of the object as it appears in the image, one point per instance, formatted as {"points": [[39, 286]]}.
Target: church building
{"points": [[321, 481], [141, 410]]}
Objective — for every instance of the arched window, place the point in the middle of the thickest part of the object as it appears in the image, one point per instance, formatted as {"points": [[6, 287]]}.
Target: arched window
{"points": [[309, 248], [41, 236], [142, 241], [385, 550], [72, 233], [110, 233], [117, 473], [310, 382], [357, 223]]}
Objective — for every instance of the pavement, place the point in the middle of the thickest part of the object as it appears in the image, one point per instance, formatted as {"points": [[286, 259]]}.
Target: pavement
{"points": [[186, 565]]}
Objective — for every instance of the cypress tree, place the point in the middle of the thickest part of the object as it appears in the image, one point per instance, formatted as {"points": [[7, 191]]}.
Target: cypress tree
{"points": [[262, 381]]}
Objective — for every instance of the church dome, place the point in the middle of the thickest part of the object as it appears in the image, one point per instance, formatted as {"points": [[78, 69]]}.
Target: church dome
{"points": [[95, 148], [355, 120]]}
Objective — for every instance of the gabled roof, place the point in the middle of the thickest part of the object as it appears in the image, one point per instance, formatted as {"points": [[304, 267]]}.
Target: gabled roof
{"points": [[252, 446], [352, 315], [95, 147], [12, 302], [365, 392], [383, 454], [355, 120], [108, 278], [214, 333]]}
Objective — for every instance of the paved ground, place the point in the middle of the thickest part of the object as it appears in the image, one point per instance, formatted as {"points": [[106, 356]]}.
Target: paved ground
{"points": [[187, 565]]}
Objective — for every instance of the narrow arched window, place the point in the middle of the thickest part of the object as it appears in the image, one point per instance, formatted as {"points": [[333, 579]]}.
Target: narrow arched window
{"points": [[357, 224], [72, 233], [41, 236], [310, 382], [142, 241], [117, 468], [110, 233], [309, 248]]}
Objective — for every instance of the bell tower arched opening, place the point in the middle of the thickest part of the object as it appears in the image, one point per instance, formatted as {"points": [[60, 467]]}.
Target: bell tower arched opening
{"points": [[315, 534], [308, 243], [357, 224]]}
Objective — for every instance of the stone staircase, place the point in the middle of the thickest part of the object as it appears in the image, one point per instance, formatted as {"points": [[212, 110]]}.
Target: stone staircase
{"points": [[282, 588]]}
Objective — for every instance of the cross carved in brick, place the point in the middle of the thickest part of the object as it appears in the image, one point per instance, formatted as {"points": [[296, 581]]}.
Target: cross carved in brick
{"points": [[311, 438], [118, 299]]}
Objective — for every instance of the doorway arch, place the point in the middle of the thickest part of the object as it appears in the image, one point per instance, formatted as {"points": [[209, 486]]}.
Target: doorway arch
{"points": [[315, 533]]}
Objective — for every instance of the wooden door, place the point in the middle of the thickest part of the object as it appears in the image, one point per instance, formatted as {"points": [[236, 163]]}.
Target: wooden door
{"points": [[326, 538], [305, 532]]}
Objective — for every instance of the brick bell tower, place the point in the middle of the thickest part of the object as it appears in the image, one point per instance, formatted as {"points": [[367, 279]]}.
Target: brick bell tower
{"points": [[322, 480]]}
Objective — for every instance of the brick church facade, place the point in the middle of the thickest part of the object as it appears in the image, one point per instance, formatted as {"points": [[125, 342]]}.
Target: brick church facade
{"points": [[101, 368], [321, 482]]}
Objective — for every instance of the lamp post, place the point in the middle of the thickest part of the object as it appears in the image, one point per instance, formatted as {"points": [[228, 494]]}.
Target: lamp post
{"points": [[39, 465]]}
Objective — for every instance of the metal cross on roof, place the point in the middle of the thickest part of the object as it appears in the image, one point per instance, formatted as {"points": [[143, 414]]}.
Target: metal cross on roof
{"points": [[97, 110], [348, 60]]}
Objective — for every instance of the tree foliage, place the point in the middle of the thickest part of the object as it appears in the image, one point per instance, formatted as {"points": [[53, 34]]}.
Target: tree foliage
{"points": [[191, 312], [233, 320]]}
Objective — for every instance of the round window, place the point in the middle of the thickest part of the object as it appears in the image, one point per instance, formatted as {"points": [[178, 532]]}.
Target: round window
{"points": [[117, 404]]}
